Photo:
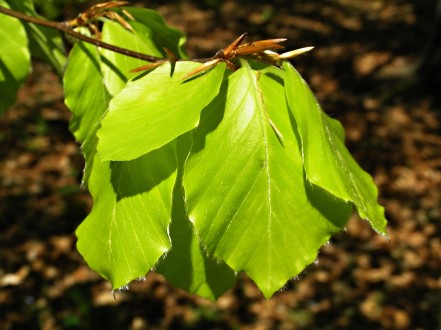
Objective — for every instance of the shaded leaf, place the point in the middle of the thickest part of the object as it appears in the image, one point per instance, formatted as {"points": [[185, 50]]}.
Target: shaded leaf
{"points": [[132, 200], [127, 229], [85, 93], [154, 27], [327, 161], [187, 265]]}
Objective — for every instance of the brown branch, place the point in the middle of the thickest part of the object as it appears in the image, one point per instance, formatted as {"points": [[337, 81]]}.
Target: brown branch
{"points": [[62, 26]]}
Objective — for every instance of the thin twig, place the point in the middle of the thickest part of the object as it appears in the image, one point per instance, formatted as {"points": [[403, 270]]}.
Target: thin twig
{"points": [[62, 26]]}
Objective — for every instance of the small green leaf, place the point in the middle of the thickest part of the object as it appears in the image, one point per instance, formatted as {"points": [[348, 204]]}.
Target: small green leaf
{"points": [[150, 34], [245, 188], [117, 66], [15, 62], [132, 200], [127, 229], [85, 93], [153, 26], [153, 110], [45, 44], [327, 162]]}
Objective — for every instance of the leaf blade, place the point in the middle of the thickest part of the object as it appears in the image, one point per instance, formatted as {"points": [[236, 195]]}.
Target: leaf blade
{"points": [[15, 62], [44, 43], [242, 182], [85, 93], [127, 230], [322, 141], [116, 72], [161, 33], [154, 110], [187, 265]]}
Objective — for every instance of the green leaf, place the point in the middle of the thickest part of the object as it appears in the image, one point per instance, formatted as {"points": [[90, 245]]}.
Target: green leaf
{"points": [[45, 44], [132, 200], [85, 93], [150, 34], [88, 149], [246, 193], [116, 71], [327, 162], [154, 27], [187, 265], [155, 109], [127, 229], [15, 62]]}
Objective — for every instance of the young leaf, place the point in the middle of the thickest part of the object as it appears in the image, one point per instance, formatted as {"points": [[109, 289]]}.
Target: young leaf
{"points": [[44, 43], [85, 93], [15, 62], [127, 229], [117, 67], [155, 27], [187, 265], [150, 35], [89, 76], [327, 162], [132, 200], [155, 109], [245, 188]]}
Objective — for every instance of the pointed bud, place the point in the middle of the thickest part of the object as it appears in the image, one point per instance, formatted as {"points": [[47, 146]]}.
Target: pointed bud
{"points": [[294, 53]]}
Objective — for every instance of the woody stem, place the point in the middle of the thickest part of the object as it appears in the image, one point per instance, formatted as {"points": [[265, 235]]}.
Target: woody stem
{"points": [[64, 27]]}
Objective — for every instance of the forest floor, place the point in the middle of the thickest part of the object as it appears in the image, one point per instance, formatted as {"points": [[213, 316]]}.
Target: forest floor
{"points": [[360, 73]]}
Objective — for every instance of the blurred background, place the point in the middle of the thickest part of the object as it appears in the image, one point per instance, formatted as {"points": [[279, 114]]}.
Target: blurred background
{"points": [[376, 68]]}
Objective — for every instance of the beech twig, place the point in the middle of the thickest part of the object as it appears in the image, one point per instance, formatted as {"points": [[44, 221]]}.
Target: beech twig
{"points": [[64, 27]]}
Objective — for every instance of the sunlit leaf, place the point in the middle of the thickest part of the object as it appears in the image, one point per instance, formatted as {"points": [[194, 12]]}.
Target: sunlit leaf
{"points": [[327, 162], [14, 59], [187, 265], [117, 69], [132, 200], [150, 35], [127, 229], [155, 109], [196, 172], [246, 193], [84, 89], [45, 44]]}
